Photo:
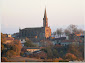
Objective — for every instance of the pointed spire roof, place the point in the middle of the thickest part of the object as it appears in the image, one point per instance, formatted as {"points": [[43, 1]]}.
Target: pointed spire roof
{"points": [[45, 15], [45, 19]]}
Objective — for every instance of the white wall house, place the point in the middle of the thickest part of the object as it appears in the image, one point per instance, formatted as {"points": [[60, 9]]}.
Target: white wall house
{"points": [[68, 42], [32, 49], [22, 41]]}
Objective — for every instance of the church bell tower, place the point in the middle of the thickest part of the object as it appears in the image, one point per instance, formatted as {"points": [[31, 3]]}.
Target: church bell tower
{"points": [[45, 20]]}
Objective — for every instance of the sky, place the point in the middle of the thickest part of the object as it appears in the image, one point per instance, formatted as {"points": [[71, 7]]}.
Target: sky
{"points": [[17, 14]]}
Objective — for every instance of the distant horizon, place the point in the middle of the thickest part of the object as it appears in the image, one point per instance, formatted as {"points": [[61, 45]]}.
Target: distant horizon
{"points": [[29, 13]]}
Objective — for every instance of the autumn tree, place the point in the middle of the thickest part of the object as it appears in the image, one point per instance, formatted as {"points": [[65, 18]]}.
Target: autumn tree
{"points": [[10, 53], [70, 57], [17, 47], [2, 47], [57, 59], [14, 47], [3, 38], [77, 51], [4, 59]]}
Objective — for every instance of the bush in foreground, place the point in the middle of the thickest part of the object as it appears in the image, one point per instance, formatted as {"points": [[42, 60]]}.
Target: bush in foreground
{"points": [[4, 59]]}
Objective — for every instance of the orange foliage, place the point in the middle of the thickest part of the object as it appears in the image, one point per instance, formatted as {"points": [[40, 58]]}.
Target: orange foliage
{"points": [[10, 53], [57, 59], [70, 56], [4, 59]]}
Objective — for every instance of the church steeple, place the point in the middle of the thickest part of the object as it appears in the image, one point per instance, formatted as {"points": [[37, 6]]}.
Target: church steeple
{"points": [[45, 15], [45, 20]]}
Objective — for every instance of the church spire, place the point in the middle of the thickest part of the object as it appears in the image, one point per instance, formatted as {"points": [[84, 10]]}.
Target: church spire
{"points": [[45, 15], [45, 19]]}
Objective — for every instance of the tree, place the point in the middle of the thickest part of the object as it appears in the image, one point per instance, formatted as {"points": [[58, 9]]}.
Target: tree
{"points": [[79, 31], [10, 53], [41, 55], [72, 28], [14, 46], [70, 56], [57, 59], [46, 43], [59, 32], [67, 32], [29, 43], [55, 53], [2, 47], [49, 53], [4, 59], [77, 51], [17, 47], [3, 38]]}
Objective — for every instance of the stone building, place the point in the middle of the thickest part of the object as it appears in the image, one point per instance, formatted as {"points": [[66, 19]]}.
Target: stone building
{"points": [[37, 34]]}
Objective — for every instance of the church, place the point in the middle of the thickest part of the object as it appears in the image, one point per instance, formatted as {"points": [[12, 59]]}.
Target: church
{"points": [[37, 34]]}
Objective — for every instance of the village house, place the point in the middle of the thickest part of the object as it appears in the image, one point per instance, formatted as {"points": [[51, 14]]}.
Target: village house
{"points": [[22, 42], [63, 41], [9, 39], [58, 40], [32, 49], [68, 42]]}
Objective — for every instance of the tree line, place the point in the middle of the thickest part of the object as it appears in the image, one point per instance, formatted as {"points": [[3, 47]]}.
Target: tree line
{"points": [[69, 30]]}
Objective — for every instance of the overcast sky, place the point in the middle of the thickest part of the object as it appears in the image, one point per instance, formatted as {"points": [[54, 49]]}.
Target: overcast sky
{"points": [[30, 13]]}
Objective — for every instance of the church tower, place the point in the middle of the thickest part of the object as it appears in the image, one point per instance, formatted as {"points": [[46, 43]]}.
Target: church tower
{"points": [[45, 20], [45, 25]]}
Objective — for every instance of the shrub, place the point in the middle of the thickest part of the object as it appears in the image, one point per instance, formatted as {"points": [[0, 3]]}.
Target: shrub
{"points": [[57, 59], [70, 56], [10, 53], [4, 59]]}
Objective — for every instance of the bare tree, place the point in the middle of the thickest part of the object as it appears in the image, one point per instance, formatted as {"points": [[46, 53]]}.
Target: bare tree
{"points": [[67, 32], [54, 33], [72, 28], [59, 32]]}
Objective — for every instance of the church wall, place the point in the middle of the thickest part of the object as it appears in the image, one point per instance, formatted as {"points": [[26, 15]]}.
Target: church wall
{"points": [[33, 33]]}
